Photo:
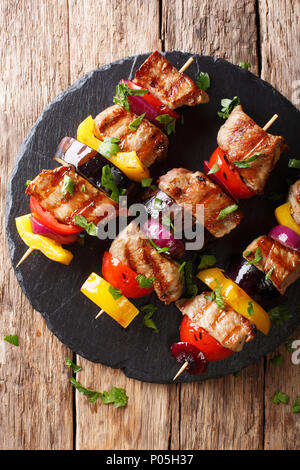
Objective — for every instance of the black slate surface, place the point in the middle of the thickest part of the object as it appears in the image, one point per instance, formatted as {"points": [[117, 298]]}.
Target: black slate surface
{"points": [[54, 290]]}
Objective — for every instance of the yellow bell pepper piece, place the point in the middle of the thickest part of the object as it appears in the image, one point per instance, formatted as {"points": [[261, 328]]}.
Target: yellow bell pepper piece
{"points": [[236, 298], [284, 217], [121, 309], [48, 247], [128, 162]]}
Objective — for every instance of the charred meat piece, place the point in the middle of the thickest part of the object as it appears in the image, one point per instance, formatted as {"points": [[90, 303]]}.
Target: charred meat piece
{"points": [[186, 187], [149, 142], [282, 263], [48, 189], [227, 326], [294, 199], [172, 87], [133, 249], [240, 138]]}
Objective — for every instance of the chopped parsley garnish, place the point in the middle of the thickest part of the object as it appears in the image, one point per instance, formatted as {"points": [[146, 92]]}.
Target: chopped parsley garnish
{"points": [[245, 65], [146, 182], [157, 205], [168, 121], [83, 188], [289, 345], [203, 81], [89, 227], [227, 106], [246, 163], [108, 182], [211, 297], [68, 186], [109, 147], [226, 211], [167, 222], [207, 261], [279, 315], [145, 282], [280, 397], [135, 124], [250, 308], [12, 339], [213, 169], [191, 289], [296, 406], [277, 360], [114, 292], [75, 368], [27, 183], [257, 256], [149, 310], [294, 163], [165, 249], [91, 393], [115, 395], [219, 299], [269, 274], [122, 93]]}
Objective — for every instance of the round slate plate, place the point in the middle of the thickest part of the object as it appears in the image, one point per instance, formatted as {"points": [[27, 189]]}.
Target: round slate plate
{"points": [[54, 290]]}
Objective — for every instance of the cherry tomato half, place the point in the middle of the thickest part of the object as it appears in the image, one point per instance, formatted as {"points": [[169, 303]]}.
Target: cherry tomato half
{"points": [[193, 334], [122, 277], [48, 219], [230, 177]]}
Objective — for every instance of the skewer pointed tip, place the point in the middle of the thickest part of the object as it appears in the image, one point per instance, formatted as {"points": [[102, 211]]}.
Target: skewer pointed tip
{"points": [[186, 65], [26, 254], [98, 314], [182, 368], [270, 122]]}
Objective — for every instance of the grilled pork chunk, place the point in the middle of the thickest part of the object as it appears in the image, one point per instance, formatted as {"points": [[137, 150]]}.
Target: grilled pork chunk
{"points": [[186, 187], [240, 138], [172, 87], [227, 326], [294, 199], [93, 204], [149, 142], [133, 249], [282, 262]]}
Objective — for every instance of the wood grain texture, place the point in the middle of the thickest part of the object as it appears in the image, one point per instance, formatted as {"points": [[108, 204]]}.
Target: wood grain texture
{"points": [[35, 396], [209, 420], [280, 37]]}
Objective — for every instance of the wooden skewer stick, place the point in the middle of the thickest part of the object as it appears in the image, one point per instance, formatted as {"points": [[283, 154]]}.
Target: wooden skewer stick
{"points": [[60, 161], [186, 65], [270, 122], [182, 368], [100, 313], [28, 252]]}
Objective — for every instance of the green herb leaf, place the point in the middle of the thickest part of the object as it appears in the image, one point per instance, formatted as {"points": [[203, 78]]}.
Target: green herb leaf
{"points": [[289, 345], [250, 308], [109, 147], [135, 124], [211, 297], [213, 169], [207, 261], [245, 65], [83, 188], [269, 274], [91, 393], [168, 121], [68, 186], [293, 163], [219, 299], [227, 106], [122, 93], [149, 310], [296, 406], [167, 222], [277, 360], [165, 249], [27, 183], [115, 395], [280, 397], [247, 253], [114, 292], [146, 182], [257, 257], [203, 81], [89, 227], [108, 182], [75, 368], [246, 163], [12, 339], [227, 210], [157, 205], [145, 282], [279, 314], [191, 289]]}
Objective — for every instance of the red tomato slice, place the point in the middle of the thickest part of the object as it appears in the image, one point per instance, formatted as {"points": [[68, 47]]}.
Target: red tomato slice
{"points": [[48, 219], [230, 177], [155, 102], [211, 348], [122, 277]]}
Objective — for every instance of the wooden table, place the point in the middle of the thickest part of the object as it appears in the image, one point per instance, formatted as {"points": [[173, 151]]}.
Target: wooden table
{"points": [[45, 46]]}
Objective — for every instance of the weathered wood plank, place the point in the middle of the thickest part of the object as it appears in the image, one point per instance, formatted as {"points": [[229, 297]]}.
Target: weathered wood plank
{"points": [[35, 396], [118, 30], [280, 37], [225, 413]]}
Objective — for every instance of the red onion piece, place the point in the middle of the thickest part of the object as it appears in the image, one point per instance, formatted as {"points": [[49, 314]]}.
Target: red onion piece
{"points": [[286, 236], [162, 237], [214, 177], [40, 229]]}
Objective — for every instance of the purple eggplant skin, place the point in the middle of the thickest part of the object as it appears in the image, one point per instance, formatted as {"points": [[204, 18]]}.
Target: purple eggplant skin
{"points": [[254, 283]]}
